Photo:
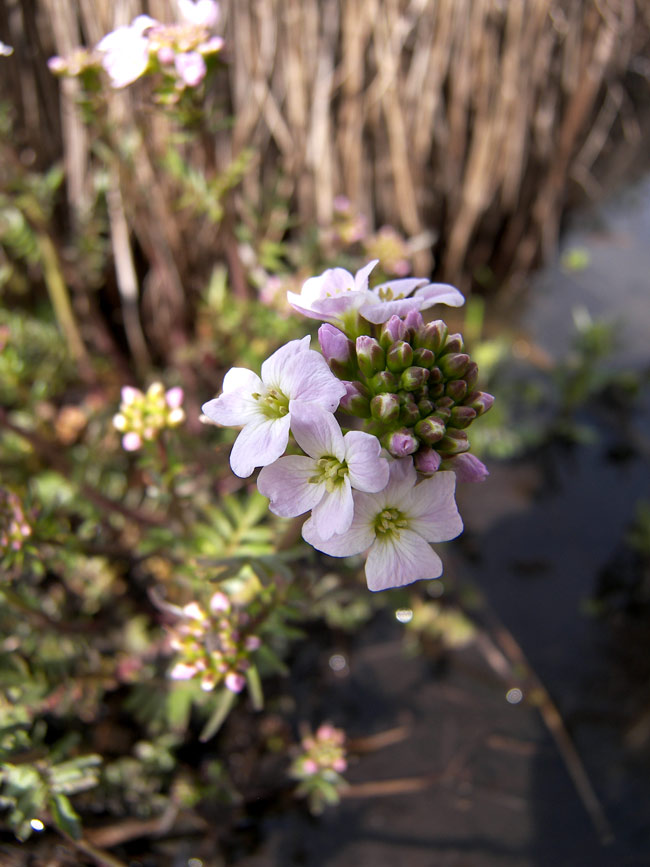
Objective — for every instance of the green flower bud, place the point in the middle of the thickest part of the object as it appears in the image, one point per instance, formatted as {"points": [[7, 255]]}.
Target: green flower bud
{"points": [[356, 401], [454, 365], [454, 442], [432, 336], [383, 382], [456, 389], [471, 375], [370, 356], [413, 378], [385, 408], [480, 401], [443, 413], [436, 391], [409, 413], [424, 357], [430, 430], [399, 356], [425, 407], [454, 343], [462, 416]]}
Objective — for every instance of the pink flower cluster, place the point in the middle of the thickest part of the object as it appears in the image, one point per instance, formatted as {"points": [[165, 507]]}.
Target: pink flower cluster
{"points": [[213, 645], [129, 52], [143, 416], [14, 527], [388, 490], [322, 753]]}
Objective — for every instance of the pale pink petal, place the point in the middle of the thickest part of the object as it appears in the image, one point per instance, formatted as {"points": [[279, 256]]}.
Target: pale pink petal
{"points": [[394, 561], [401, 481], [236, 406], [439, 293], [286, 483], [333, 515], [355, 540], [190, 67], [317, 433], [273, 367], [308, 379], [203, 13], [368, 470], [361, 277], [432, 510], [259, 444]]}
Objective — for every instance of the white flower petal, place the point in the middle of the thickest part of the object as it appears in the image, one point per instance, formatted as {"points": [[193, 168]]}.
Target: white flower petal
{"points": [[439, 293], [236, 406], [401, 481], [286, 483], [259, 444], [273, 367], [333, 515], [368, 470], [432, 510], [356, 539], [394, 561], [317, 433], [308, 379], [361, 277]]}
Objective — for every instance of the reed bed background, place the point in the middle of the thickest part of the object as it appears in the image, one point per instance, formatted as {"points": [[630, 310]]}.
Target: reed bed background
{"points": [[465, 124]]}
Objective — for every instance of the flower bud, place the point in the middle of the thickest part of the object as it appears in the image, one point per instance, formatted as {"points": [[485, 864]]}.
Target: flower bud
{"points": [[462, 416], [413, 321], [338, 350], [427, 460], [454, 343], [471, 375], [467, 467], [409, 413], [413, 378], [454, 365], [436, 390], [399, 356], [430, 430], [370, 356], [400, 443], [392, 331], [356, 400], [456, 389], [432, 336], [480, 401], [453, 443], [383, 382], [424, 357], [425, 407], [385, 408]]}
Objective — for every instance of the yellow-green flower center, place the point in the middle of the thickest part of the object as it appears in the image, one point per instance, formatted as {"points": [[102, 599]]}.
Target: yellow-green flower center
{"points": [[389, 522], [273, 403], [329, 472], [387, 294]]}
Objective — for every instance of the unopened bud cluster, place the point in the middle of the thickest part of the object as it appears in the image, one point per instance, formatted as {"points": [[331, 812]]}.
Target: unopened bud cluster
{"points": [[322, 753], [413, 383], [14, 526], [143, 416], [213, 644]]}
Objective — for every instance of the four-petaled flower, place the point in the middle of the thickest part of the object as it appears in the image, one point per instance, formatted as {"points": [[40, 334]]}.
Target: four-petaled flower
{"points": [[323, 480], [295, 379], [126, 51], [396, 525]]}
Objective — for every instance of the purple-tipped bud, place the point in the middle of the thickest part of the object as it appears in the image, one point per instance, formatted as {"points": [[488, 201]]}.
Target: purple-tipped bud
{"points": [[414, 321], [471, 375], [430, 430], [453, 443], [413, 378], [370, 356], [467, 468], [436, 390], [432, 336], [409, 413], [400, 443], [424, 358], [454, 365], [462, 416], [383, 382], [444, 402], [392, 331], [454, 343], [456, 389], [481, 401], [425, 407], [399, 356], [427, 461], [338, 350], [385, 408], [356, 400]]}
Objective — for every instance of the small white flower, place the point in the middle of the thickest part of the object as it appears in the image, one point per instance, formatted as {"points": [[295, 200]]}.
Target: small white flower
{"points": [[323, 481], [295, 379], [201, 13], [396, 526], [126, 51]]}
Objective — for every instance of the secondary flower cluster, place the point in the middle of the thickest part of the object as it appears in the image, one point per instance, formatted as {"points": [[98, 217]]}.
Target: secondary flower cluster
{"points": [[178, 50], [14, 527], [320, 753], [408, 383], [143, 416], [213, 645]]}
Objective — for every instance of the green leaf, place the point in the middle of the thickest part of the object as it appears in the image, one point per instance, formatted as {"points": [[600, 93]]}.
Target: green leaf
{"points": [[255, 688], [225, 702], [64, 816]]}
